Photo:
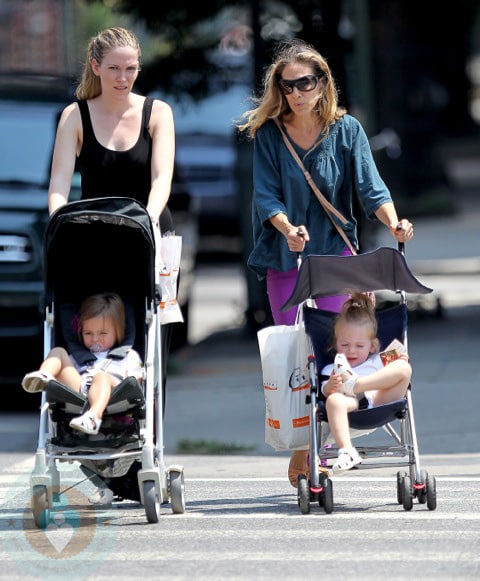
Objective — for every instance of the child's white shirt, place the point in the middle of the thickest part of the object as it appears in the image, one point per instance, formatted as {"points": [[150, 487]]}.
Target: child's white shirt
{"points": [[131, 364]]}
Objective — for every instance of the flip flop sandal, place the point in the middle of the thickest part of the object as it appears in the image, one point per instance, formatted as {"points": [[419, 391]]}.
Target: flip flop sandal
{"points": [[298, 465]]}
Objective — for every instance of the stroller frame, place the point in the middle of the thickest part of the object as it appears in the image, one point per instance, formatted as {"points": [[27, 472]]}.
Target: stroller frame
{"points": [[124, 222], [381, 269]]}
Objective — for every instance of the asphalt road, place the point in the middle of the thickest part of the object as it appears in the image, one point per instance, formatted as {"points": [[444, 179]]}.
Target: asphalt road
{"points": [[244, 527]]}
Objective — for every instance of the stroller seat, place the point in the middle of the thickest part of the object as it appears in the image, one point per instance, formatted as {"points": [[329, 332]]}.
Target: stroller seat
{"points": [[120, 424], [391, 325], [126, 407], [378, 416]]}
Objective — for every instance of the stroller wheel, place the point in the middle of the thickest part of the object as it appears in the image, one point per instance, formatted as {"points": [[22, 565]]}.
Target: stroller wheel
{"points": [[303, 494], [407, 498], [422, 492], [431, 485], [41, 513], [400, 476], [177, 491], [151, 501], [326, 496]]}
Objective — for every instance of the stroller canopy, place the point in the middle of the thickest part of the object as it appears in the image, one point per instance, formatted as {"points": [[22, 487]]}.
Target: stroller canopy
{"points": [[100, 245], [381, 269]]}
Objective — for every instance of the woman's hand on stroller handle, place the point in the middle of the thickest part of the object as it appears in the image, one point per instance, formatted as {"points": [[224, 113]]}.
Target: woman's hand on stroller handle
{"points": [[303, 235], [403, 231], [297, 237]]}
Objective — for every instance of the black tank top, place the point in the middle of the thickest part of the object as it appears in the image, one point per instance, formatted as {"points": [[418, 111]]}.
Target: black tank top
{"points": [[118, 173]]}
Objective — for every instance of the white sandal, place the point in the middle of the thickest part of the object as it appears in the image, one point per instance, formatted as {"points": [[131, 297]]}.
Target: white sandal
{"points": [[342, 367], [346, 460], [87, 423], [36, 381]]}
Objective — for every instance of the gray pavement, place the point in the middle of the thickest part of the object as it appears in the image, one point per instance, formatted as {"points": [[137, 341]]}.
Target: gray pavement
{"points": [[214, 393]]}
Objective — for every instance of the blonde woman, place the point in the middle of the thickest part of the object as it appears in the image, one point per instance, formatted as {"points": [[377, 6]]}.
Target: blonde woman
{"points": [[122, 142]]}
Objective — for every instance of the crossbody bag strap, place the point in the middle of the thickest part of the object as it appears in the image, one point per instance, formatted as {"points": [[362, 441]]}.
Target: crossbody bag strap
{"points": [[327, 206]]}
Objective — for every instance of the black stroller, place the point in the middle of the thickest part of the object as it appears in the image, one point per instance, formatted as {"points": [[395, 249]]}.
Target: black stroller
{"points": [[382, 269], [93, 246]]}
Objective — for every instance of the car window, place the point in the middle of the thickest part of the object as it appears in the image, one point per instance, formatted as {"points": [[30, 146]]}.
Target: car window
{"points": [[27, 133]]}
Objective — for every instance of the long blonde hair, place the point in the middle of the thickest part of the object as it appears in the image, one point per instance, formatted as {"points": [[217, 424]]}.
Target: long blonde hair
{"points": [[273, 104], [89, 86]]}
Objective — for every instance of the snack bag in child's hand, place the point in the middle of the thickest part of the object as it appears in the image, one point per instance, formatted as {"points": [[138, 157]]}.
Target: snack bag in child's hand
{"points": [[392, 352]]}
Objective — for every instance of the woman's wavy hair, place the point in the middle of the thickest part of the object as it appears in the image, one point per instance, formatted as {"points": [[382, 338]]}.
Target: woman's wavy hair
{"points": [[272, 103], [90, 86]]}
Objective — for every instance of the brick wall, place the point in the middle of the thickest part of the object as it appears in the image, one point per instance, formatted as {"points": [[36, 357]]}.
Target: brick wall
{"points": [[31, 35]]}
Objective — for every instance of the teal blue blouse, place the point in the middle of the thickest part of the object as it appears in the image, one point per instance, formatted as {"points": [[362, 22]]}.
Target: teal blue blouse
{"points": [[340, 165]]}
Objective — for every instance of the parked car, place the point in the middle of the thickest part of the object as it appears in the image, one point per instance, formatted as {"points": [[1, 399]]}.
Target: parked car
{"points": [[30, 105]]}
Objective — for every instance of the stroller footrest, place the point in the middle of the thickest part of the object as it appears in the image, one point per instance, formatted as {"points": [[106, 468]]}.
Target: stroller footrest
{"points": [[126, 395], [60, 395]]}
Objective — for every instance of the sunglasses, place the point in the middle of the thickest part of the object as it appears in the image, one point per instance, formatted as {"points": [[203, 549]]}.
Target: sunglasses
{"points": [[304, 84]]}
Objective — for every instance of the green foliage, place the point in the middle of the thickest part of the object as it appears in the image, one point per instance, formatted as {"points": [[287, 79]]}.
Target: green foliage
{"points": [[210, 447], [180, 15], [90, 18]]}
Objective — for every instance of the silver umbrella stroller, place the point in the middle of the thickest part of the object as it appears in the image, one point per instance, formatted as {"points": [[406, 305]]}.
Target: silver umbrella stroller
{"points": [[93, 246], [382, 269]]}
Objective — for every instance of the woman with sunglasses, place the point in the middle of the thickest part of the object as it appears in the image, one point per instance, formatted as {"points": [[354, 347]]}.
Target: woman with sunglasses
{"points": [[300, 93]]}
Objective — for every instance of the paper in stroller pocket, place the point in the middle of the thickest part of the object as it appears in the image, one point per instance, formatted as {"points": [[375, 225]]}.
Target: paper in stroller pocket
{"points": [[392, 352], [168, 254]]}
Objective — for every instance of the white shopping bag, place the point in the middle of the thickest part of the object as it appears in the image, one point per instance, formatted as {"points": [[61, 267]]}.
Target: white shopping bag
{"points": [[167, 263], [286, 383]]}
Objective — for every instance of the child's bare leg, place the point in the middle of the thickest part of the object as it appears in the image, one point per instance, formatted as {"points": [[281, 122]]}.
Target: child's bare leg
{"points": [[59, 364], [390, 383], [99, 393], [338, 405]]}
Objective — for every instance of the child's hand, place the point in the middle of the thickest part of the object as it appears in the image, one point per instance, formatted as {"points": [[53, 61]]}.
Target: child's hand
{"points": [[333, 384]]}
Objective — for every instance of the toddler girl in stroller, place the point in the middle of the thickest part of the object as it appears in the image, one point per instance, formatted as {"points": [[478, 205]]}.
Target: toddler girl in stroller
{"points": [[358, 378], [100, 327]]}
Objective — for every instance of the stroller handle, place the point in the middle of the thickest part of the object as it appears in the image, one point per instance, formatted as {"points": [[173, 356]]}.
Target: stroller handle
{"points": [[300, 233]]}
